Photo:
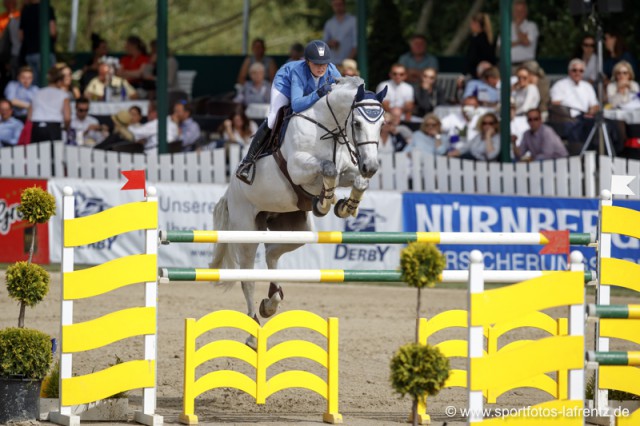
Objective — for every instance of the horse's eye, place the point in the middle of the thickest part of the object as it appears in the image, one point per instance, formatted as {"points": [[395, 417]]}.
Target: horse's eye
{"points": [[358, 124]]}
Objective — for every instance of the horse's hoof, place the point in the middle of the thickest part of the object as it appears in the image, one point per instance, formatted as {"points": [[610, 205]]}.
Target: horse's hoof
{"points": [[252, 343], [264, 312], [314, 207], [340, 209]]}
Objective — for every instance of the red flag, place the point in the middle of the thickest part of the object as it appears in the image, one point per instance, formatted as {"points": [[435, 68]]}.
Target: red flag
{"points": [[135, 180], [558, 242]]}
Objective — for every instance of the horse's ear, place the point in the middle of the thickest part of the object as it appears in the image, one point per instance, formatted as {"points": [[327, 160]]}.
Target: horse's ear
{"points": [[360, 93], [381, 94]]}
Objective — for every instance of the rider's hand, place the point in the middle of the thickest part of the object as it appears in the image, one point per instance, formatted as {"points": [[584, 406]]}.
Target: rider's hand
{"points": [[323, 90]]}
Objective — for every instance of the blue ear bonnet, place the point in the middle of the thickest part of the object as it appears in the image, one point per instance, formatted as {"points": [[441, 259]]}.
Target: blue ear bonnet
{"points": [[370, 112]]}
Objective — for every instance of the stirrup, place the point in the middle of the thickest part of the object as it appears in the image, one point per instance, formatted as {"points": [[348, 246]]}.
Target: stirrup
{"points": [[246, 172]]}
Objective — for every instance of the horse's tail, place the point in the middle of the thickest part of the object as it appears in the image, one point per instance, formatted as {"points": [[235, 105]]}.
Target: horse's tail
{"points": [[222, 258]]}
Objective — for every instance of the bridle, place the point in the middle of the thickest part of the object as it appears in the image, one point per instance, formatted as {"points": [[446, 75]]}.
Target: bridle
{"points": [[339, 134]]}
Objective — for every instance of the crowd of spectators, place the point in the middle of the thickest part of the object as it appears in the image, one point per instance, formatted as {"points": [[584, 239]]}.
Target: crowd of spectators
{"points": [[547, 121]]}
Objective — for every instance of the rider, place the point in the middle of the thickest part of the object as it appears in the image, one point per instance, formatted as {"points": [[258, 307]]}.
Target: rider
{"points": [[301, 83]]}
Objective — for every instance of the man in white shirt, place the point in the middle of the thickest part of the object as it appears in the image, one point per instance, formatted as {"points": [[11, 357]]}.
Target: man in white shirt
{"points": [[462, 126], [400, 93], [86, 130], [340, 33], [147, 133], [524, 35]]}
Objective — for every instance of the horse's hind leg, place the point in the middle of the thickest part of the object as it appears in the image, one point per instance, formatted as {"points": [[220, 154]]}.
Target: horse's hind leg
{"points": [[349, 206]]}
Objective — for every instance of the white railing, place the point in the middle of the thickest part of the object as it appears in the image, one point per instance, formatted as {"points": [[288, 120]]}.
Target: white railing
{"points": [[569, 177]]}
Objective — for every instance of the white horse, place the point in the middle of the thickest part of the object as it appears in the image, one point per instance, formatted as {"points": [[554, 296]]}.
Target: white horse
{"points": [[334, 143]]}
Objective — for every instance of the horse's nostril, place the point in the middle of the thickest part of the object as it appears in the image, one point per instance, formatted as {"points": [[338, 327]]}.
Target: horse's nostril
{"points": [[364, 168]]}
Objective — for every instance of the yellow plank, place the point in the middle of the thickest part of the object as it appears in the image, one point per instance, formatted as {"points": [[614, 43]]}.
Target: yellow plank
{"points": [[535, 319], [507, 368], [110, 276], [88, 335], [114, 221], [296, 349], [295, 319], [225, 379], [457, 379], [620, 220], [627, 329], [225, 348], [454, 348], [511, 302], [445, 320], [624, 378], [296, 379], [621, 273], [633, 419], [226, 318], [110, 381]]}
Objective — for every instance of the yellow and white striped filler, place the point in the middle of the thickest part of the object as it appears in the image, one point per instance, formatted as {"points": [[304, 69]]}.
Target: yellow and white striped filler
{"points": [[337, 237], [335, 275]]}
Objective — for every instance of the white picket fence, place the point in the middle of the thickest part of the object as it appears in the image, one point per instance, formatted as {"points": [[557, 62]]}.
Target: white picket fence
{"points": [[569, 177]]}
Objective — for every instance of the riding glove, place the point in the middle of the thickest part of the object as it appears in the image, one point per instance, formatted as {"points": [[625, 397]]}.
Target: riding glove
{"points": [[323, 90]]}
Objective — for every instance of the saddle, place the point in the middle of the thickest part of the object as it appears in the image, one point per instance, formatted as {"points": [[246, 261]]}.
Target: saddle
{"points": [[272, 147]]}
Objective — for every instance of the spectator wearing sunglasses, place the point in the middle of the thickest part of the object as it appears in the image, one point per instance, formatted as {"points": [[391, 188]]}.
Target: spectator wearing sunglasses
{"points": [[400, 93], [540, 142], [485, 146], [575, 93], [85, 129], [622, 89], [587, 52]]}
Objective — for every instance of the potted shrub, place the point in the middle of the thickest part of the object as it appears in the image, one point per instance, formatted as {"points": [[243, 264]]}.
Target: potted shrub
{"points": [[25, 354], [419, 370]]}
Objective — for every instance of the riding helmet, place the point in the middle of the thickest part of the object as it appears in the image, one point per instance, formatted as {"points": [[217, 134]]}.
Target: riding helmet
{"points": [[317, 52]]}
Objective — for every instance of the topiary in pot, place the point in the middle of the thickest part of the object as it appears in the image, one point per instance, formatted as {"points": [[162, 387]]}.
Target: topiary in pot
{"points": [[418, 370], [27, 283]]}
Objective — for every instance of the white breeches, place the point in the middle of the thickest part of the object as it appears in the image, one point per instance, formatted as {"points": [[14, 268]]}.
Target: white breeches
{"points": [[278, 100]]}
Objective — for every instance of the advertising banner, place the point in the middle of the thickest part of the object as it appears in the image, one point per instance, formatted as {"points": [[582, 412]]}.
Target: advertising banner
{"points": [[16, 234], [474, 213]]}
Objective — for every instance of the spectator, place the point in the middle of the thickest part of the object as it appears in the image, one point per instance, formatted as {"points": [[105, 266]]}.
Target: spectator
{"points": [[350, 68], [135, 114], [427, 95], [50, 109], [622, 89], [480, 45], [517, 126], [20, 93], [400, 93], [10, 127], [393, 135], [540, 142], [616, 51], [147, 133], [150, 71], [417, 59], [99, 50], [340, 33], [296, 52], [538, 77], [67, 81], [587, 52], [116, 85], [256, 90], [132, 64], [85, 129], [461, 126], [189, 130], [238, 129], [525, 94], [486, 89], [10, 12], [429, 139], [11, 44], [30, 36], [524, 35], [258, 48], [485, 145]]}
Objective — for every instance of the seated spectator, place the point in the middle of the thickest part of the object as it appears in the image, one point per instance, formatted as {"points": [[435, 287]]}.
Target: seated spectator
{"points": [[50, 109], [463, 80], [417, 59], [486, 89], [189, 130], [99, 50], [540, 142], [525, 94], [136, 116], [67, 81], [20, 92], [400, 93], [117, 86], [538, 78], [622, 89], [147, 133], [485, 146], [296, 52], [258, 49], [427, 95], [429, 139], [587, 52], [350, 68], [616, 51], [256, 90], [394, 136], [85, 129], [132, 65], [150, 71], [10, 127], [238, 129], [461, 126], [480, 46]]}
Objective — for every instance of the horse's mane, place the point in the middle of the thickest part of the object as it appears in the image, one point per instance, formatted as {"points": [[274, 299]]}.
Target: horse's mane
{"points": [[348, 83]]}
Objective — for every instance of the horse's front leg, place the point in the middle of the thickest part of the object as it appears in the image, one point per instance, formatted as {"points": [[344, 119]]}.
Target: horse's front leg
{"points": [[349, 206], [322, 203]]}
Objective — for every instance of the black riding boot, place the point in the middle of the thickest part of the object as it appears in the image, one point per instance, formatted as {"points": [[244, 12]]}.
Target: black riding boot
{"points": [[246, 169]]}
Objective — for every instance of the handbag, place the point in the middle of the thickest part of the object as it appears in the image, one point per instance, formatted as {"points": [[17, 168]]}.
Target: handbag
{"points": [[25, 135]]}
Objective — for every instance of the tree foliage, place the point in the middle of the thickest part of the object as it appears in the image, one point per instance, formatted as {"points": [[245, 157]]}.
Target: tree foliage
{"points": [[27, 283], [421, 264], [418, 370], [386, 41]]}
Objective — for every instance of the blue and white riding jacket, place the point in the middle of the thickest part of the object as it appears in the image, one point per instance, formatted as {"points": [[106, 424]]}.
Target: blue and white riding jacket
{"points": [[295, 81]]}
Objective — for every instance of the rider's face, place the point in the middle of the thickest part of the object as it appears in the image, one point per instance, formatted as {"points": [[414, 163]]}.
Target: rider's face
{"points": [[318, 70]]}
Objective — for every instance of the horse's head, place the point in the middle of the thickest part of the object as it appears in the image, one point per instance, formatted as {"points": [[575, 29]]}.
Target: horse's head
{"points": [[366, 120]]}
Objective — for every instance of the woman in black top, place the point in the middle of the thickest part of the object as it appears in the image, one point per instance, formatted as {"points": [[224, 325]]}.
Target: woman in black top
{"points": [[480, 47]]}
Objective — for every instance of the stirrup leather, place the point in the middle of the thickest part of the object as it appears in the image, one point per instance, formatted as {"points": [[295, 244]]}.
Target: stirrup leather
{"points": [[246, 172]]}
